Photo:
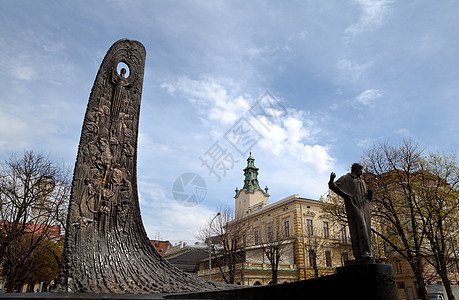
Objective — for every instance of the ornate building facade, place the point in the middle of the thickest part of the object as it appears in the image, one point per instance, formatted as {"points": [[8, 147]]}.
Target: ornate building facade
{"points": [[309, 241]]}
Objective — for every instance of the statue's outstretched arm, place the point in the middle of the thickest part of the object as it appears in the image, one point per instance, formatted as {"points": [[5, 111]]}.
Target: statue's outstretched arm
{"points": [[332, 186]]}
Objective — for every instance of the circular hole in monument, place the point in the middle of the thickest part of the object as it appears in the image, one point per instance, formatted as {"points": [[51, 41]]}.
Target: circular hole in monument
{"points": [[122, 65]]}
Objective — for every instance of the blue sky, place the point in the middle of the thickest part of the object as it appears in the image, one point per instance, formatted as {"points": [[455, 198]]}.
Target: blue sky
{"points": [[343, 74]]}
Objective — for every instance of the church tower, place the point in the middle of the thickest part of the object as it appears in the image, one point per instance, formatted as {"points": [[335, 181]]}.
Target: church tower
{"points": [[251, 174], [251, 197]]}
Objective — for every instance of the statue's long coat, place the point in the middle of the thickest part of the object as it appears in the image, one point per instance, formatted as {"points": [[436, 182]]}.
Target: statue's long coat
{"points": [[358, 212]]}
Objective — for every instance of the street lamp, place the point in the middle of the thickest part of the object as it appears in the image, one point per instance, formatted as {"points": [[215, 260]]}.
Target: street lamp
{"points": [[210, 246]]}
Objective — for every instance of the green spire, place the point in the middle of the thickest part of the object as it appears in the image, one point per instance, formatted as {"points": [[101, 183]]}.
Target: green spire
{"points": [[250, 174]]}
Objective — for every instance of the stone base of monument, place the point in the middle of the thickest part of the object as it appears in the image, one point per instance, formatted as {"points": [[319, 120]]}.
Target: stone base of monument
{"points": [[358, 280], [365, 279]]}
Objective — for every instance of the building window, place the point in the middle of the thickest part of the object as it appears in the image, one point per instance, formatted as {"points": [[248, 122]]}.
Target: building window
{"points": [[400, 285], [270, 233], [398, 267], [328, 258], [342, 233], [287, 228], [256, 237], [244, 240], [326, 230], [312, 257], [309, 227]]}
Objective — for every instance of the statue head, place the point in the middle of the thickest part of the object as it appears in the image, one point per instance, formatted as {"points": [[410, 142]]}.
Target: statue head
{"points": [[357, 169], [123, 72]]}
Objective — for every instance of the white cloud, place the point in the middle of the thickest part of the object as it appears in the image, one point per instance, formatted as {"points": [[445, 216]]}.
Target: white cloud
{"points": [[295, 129], [403, 131], [334, 106], [284, 132], [161, 213], [290, 143], [366, 143], [151, 191], [303, 35], [351, 69], [372, 15], [299, 168], [24, 73], [368, 97], [288, 135], [211, 99], [53, 47], [257, 52], [169, 87], [163, 150], [12, 128]]}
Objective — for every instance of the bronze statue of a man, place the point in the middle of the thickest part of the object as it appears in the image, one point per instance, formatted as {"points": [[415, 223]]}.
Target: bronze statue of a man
{"points": [[352, 188]]}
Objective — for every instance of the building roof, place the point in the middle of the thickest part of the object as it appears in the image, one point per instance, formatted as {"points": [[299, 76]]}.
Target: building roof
{"points": [[182, 248], [282, 202], [161, 246], [188, 261], [37, 229]]}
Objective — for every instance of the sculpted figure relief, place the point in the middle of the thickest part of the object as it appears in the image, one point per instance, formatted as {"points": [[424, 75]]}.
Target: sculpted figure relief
{"points": [[352, 188], [118, 95], [106, 247]]}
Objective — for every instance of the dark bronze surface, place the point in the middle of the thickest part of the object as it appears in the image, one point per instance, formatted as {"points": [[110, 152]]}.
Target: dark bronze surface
{"points": [[353, 189], [106, 248]]}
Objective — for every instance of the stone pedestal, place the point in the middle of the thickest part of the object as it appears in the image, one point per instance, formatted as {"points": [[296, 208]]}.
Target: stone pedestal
{"points": [[367, 279], [364, 279], [357, 280]]}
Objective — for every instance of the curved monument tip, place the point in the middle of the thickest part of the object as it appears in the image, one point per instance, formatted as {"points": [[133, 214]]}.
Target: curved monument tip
{"points": [[134, 43], [127, 40], [106, 247]]}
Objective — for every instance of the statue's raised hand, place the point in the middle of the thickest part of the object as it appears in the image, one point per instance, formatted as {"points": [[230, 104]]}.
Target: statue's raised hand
{"points": [[332, 176]]}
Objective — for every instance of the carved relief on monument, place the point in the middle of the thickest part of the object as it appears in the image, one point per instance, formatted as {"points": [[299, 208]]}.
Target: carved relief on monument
{"points": [[106, 247]]}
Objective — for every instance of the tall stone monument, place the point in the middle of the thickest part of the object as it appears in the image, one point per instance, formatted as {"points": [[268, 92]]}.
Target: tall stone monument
{"points": [[106, 247]]}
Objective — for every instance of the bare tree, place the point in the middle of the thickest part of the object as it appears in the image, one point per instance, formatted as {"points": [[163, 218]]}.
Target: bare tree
{"points": [[396, 211], [34, 195], [273, 243], [312, 246], [319, 239], [226, 235], [437, 183], [415, 200]]}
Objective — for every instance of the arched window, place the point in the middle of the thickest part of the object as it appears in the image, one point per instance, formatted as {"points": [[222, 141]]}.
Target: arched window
{"points": [[257, 283]]}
